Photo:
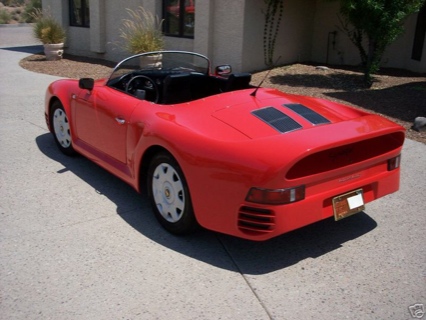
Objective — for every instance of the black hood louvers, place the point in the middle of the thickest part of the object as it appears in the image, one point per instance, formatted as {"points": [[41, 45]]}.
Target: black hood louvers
{"points": [[310, 115], [277, 119], [283, 123]]}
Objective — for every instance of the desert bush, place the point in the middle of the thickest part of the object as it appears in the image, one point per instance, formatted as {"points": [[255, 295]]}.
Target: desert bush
{"points": [[5, 16], [142, 32], [47, 29], [30, 9], [13, 3]]}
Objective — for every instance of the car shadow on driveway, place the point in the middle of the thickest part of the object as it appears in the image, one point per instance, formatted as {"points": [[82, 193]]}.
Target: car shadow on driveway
{"points": [[216, 249], [26, 49]]}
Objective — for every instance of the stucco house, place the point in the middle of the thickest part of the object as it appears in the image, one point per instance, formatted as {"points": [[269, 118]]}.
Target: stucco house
{"points": [[232, 31]]}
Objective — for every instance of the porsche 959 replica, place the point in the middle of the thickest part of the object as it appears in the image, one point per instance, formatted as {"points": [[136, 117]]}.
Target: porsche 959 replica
{"points": [[211, 150]]}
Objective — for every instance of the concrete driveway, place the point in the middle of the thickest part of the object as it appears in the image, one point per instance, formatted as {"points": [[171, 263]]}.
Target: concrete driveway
{"points": [[77, 243]]}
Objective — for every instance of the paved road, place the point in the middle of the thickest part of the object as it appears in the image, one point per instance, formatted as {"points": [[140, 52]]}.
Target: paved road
{"points": [[77, 243]]}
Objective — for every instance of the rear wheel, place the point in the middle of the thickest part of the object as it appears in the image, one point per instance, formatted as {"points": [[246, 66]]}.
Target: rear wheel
{"points": [[61, 128], [169, 195]]}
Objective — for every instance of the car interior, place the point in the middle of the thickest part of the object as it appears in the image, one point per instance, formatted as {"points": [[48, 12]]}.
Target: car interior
{"points": [[172, 87]]}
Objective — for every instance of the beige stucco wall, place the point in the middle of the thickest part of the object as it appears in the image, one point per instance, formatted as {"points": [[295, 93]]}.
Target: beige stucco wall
{"points": [[231, 32], [234, 32], [102, 39]]}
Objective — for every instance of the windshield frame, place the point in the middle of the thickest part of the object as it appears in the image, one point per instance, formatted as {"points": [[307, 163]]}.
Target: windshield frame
{"points": [[184, 61]]}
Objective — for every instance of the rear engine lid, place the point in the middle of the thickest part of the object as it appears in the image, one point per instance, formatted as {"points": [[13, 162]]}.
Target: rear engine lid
{"points": [[277, 117]]}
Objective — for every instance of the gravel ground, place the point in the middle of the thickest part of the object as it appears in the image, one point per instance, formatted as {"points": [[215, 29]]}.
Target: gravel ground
{"points": [[396, 94]]}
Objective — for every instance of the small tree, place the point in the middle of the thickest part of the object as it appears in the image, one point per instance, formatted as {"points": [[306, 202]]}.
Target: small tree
{"points": [[374, 24]]}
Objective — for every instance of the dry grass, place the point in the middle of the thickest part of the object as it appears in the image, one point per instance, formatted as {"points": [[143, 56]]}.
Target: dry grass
{"points": [[396, 94]]}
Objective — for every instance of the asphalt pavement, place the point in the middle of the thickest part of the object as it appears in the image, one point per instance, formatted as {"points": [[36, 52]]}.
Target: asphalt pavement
{"points": [[77, 243]]}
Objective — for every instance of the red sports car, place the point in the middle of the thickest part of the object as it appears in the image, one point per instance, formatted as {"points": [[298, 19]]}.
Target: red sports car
{"points": [[216, 152]]}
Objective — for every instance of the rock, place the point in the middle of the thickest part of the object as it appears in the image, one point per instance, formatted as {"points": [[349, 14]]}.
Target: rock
{"points": [[322, 68], [419, 124]]}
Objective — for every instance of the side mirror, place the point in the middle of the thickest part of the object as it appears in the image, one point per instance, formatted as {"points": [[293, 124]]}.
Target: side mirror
{"points": [[86, 83], [223, 70]]}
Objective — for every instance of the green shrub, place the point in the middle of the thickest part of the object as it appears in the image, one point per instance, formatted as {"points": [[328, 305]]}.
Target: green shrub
{"points": [[5, 16]]}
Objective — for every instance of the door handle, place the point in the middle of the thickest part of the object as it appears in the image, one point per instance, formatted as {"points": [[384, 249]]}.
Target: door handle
{"points": [[120, 121]]}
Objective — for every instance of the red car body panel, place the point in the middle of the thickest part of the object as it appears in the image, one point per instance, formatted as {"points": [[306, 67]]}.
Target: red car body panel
{"points": [[224, 151]]}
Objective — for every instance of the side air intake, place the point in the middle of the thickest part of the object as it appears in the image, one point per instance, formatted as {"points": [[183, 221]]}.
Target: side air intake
{"points": [[255, 220]]}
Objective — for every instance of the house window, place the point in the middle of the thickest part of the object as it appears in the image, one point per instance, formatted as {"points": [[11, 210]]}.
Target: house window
{"points": [[419, 35], [79, 13], [178, 18]]}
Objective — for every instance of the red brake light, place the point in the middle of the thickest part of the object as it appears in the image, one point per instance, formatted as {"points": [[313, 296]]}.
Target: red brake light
{"points": [[276, 196]]}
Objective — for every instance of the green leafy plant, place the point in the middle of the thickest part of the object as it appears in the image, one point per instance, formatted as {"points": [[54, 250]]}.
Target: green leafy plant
{"points": [[372, 25], [47, 29], [142, 32]]}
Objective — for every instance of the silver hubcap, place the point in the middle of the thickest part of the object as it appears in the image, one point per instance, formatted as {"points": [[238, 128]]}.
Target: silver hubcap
{"points": [[62, 128], [167, 189]]}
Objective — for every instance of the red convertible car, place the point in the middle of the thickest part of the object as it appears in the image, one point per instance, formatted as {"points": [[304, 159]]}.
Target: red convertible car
{"points": [[211, 150]]}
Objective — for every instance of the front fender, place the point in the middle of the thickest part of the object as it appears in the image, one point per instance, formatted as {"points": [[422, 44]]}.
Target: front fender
{"points": [[61, 90]]}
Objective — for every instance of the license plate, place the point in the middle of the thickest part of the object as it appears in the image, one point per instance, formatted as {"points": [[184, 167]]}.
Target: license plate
{"points": [[348, 204]]}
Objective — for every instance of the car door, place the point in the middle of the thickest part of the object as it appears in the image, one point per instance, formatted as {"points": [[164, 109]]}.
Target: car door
{"points": [[101, 118]]}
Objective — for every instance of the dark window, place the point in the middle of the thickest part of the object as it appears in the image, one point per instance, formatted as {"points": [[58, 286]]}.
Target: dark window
{"points": [[179, 18], [79, 13], [419, 35]]}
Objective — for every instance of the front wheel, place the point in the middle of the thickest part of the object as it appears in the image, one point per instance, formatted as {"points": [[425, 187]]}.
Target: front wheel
{"points": [[61, 128], [169, 195]]}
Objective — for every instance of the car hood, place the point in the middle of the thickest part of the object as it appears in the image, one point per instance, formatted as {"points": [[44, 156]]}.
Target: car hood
{"points": [[272, 112]]}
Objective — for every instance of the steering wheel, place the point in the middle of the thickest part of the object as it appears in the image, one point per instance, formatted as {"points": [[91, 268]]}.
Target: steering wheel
{"points": [[144, 83]]}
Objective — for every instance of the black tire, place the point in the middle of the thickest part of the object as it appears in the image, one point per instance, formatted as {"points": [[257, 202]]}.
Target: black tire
{"points": [[169, 195], [61, 128]]}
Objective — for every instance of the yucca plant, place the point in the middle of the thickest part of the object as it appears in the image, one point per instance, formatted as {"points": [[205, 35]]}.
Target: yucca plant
{"points": [[47, 29], [142, 32]]}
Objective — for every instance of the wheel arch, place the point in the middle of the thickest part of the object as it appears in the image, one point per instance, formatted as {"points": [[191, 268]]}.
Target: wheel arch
{"points": [[60, 90], [50, 104], [146, 159]]}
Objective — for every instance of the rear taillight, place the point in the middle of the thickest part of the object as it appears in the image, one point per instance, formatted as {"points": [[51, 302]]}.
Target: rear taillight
{"points": [[394, 163], [276, 196]]}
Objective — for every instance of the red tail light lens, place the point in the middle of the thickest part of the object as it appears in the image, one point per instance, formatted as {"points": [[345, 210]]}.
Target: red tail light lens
{"points": [[394, 163], [276, 196]]}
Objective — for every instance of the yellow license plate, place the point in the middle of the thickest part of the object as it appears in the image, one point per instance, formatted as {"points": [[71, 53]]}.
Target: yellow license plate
{"points": [[348, 204]]}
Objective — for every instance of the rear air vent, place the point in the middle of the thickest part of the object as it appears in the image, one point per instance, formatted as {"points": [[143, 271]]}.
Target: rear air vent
{"points": [[310, 115], [277, 119], [256, 220]]}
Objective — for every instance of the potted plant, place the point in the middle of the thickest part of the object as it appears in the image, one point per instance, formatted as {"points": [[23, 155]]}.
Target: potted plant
{"points": [[142, 33], [51, 34]]}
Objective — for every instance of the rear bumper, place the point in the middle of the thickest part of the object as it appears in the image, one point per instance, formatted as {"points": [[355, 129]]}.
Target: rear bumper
{"points": [[277, 220], [228, 212]]}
